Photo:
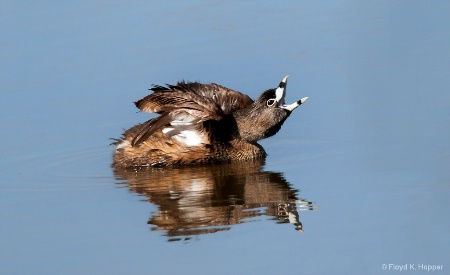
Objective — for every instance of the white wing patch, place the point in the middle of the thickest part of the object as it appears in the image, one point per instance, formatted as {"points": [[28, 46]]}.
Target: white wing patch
{"points": [[184, 129], [123, 144]]}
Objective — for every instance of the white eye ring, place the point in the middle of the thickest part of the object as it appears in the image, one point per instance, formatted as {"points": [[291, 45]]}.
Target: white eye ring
{"points": [[271, 102]]}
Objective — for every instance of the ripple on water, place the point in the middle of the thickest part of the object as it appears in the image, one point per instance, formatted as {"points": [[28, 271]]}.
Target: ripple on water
{"points": [[190, 201], [56, 170]]}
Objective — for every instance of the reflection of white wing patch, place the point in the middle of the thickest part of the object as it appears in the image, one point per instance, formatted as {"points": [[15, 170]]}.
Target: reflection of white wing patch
{"points": [[184, 129]]}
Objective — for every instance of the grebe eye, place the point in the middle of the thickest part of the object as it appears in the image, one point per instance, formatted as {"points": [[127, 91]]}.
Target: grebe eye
{"points": [[271, 102]]}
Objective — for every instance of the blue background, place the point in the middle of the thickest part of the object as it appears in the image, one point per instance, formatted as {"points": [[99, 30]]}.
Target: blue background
{"points": [[371, 147]]}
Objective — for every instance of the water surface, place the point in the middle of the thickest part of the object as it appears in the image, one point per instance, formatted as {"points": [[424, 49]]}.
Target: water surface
{"points": [[361, 168]]}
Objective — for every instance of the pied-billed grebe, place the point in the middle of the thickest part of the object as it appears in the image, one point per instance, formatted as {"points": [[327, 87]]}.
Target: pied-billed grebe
{"points": [[202, 123]]}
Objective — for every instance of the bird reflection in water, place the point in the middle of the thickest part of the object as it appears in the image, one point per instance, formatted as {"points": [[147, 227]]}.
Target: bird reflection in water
{"points": [[198, 200]]}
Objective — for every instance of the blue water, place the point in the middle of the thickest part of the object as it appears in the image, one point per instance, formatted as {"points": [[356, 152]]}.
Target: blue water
{"points": [[362, 168]]}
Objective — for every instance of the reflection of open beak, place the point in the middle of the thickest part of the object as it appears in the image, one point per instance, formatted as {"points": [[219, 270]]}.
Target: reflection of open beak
{"points": [[280, 93]]}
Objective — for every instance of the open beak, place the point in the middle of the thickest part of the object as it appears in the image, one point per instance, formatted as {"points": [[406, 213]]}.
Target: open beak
{"points": [[280, 93]]}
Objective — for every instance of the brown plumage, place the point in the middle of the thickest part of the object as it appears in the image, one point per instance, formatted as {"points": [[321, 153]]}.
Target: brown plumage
{"points": [[202, 123]]}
